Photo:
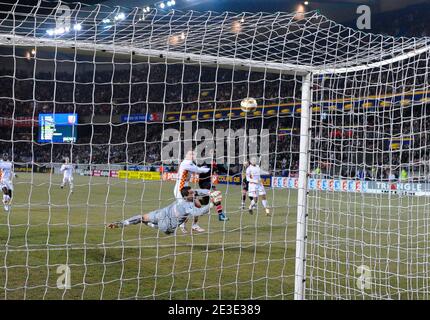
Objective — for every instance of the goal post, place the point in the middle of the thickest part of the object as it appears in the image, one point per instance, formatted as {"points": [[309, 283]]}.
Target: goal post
{"points": [[300, 273], [311, 184], [342, 120]]}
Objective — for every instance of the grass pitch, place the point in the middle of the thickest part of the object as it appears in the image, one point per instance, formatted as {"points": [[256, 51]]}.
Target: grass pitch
{"points": [[248, 257]]}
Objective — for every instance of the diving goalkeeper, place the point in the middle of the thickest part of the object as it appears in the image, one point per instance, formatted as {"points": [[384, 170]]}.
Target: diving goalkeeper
{"points": [[169, 218]]}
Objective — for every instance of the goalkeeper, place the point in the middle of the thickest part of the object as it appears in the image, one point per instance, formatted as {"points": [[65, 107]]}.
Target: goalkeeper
{"points": [[169, 218]]}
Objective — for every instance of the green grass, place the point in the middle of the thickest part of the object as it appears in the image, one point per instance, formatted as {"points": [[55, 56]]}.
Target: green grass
{"points": [[389, 234], [248, 257]]}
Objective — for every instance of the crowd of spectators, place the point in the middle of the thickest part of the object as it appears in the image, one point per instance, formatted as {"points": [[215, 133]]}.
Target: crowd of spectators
{"points": [[171, 88], [342, 144], [408, 22]]}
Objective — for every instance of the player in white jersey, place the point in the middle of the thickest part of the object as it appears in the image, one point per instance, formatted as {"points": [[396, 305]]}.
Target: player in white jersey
{"points": [[256, 188], [67, 170], [186, 168], [6, 174]]}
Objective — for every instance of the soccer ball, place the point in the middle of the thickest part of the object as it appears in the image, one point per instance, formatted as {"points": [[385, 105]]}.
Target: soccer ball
{"points": [[248, 105]]}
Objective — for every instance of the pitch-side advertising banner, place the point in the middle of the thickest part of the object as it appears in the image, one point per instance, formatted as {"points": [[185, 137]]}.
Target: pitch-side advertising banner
{"points": [[237, 179], [139, 175], [98, 173], [358, 186], [173, 176]]}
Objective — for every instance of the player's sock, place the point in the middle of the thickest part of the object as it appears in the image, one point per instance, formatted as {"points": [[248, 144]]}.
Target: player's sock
{"points": [[6, 199], [133, 220], [264, 202], [251, 206], [183, 228], [243, 201], [220, 211], [218, 207]]}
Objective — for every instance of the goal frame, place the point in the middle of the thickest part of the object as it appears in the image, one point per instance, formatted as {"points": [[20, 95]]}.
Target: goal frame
{"points": [[303, 72]]}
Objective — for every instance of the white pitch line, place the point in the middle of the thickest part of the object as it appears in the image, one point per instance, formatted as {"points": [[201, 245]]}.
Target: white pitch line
{"points": [[227, 244]]}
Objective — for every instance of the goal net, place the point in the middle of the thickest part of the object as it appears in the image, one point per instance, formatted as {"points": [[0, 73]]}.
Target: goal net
{"points": [[120, 95], [368, 188]]}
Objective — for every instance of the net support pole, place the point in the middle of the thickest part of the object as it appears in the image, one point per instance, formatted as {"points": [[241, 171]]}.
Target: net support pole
{"points": [[299, 282]]}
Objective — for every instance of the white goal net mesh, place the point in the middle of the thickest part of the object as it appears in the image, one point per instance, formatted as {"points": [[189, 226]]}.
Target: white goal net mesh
{"points": [[369, 183], [112, 88]]}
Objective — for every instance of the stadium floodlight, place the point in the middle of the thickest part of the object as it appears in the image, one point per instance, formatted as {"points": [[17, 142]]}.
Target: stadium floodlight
{"points": [[106, 20], [58, 31], [119, 16], [173, 2], [77, 27], [148, 9], [162, 5]]}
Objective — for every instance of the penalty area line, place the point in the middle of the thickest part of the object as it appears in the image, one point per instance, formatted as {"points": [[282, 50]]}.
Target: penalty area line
{"points": [[220, 244]]}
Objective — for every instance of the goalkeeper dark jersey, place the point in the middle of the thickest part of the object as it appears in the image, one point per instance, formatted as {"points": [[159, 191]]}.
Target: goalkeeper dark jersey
{"points": [[245, 183]]}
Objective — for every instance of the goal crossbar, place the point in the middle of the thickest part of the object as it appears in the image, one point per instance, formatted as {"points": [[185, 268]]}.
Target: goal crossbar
{"points": [[171, 56], [159, 55]]}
